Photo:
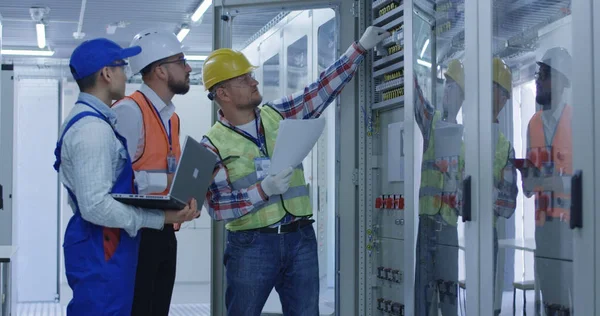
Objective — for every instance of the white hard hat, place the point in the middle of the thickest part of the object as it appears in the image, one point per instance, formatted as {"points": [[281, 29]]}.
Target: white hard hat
{"points": [[156, 44], [559, 59]]}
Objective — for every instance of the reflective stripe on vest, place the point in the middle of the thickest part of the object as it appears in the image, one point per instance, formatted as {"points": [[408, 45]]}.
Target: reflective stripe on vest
{"points": [[156, 141], [431, 192], [552, 161], [238, 153], [441, 178]]}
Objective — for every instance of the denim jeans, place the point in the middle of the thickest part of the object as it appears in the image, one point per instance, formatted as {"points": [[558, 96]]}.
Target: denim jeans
{"points": [[437, 266], [256, 262]]}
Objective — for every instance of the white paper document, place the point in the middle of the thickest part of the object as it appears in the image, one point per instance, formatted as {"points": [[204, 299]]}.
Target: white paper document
{"points": [[448, 139], [395, 149], [295, 140]]}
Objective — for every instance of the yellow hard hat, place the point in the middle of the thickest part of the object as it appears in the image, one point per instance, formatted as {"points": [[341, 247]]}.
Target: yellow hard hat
{"points": [[456, 71], [502, 75], [223, 64]]}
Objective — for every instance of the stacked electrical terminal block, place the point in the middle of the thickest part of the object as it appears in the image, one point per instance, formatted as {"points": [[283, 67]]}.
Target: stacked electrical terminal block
{"points": [[385, 223], [388, 62]]}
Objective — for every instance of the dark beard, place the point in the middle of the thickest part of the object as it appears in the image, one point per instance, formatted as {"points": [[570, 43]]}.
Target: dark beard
{"points": [[544, 100], [181, 87]]}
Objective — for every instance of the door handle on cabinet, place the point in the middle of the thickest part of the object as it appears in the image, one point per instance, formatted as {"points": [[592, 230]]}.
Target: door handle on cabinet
{"points": [[466, 210], [576, 200]]}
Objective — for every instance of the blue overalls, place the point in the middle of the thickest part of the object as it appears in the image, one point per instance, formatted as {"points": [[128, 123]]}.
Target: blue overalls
{"points": [[100, 262]]}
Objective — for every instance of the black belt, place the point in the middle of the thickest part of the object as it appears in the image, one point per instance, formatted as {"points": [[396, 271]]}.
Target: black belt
{"points": [[287, 228]]}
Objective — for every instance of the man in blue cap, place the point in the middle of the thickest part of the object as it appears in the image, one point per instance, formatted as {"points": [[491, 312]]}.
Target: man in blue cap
{"points": [[101, 240]]}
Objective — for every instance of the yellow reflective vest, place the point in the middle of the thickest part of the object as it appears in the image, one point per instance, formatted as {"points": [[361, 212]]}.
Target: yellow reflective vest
{"points": [[438, 193], [238, 154]]}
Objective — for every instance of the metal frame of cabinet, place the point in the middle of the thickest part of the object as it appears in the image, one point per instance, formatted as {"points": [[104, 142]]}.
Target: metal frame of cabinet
{"points": [[347, 208], [382, 226], [7, 218], [357, 281]]}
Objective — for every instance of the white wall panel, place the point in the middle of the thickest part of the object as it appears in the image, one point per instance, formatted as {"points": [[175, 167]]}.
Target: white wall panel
{"points": [[36, 187]]}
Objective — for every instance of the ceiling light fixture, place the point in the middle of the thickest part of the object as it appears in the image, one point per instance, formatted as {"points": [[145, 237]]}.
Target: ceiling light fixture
{"points": [[40, 29], [183, 32], [424, 63], [424, 48], [196, 57], [38, 15], [201, 10], [27, 52]]}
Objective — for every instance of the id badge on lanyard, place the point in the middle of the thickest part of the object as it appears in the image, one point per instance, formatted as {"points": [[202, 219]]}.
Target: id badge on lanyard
{"points": [[261, 164], [171, 162], [171, 159]]}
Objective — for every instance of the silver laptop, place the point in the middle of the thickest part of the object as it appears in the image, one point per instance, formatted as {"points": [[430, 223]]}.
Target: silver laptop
{"points": [[191, 180]]}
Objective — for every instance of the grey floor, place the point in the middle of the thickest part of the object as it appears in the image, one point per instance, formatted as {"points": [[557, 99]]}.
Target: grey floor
{"points": [[56, 309], [194, 299], [188, 300], [183, 293]]}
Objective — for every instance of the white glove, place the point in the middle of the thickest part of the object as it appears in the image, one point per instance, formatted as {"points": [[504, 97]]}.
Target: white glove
{"points": [[277, 184], [372, 36]]}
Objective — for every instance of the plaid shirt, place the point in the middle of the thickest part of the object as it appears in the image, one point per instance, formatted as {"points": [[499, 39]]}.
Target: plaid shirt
{"points": [[505, 189], [224, 203]]}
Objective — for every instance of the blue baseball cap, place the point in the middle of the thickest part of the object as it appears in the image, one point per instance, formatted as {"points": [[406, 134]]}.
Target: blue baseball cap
{"points": [[93, 55]]}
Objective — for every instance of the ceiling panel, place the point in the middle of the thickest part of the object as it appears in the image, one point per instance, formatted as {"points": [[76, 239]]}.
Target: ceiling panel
{"points": [[137, 15], [515, 22]]}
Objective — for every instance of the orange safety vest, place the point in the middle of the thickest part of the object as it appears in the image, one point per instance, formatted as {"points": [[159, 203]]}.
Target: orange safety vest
{"points": [[156, 140], [555, 160]]}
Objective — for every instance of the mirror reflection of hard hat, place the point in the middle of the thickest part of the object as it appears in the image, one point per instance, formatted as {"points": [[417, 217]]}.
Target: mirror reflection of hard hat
{"points": [[559, 59], [224, 64], [156, 45], [502, 75], [456, 72]]}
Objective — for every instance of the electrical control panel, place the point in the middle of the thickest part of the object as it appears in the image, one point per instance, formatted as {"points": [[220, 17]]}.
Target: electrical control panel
{"points": [[384, 117]]}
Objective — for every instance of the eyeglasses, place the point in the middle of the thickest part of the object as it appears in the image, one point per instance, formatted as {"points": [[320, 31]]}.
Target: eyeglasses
{"points": [[181, 61], [120, 63], [248, 78], [245, 77]]}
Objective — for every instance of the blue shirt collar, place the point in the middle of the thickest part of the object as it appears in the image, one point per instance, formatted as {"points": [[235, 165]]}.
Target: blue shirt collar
{"points": [[98, 105]]}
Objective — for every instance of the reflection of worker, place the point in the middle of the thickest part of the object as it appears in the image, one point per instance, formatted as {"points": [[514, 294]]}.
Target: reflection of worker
{"points": [[505, 190], [271, 242], [148, 121], [549, 149], [440, 196], [101, 241]]}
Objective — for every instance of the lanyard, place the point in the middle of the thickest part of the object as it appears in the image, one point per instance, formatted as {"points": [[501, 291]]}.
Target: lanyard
{"points": [[168, 131], [260, 141]]}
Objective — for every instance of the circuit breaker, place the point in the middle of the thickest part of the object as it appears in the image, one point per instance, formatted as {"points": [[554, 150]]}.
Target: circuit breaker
{"points": [[385, 181]]}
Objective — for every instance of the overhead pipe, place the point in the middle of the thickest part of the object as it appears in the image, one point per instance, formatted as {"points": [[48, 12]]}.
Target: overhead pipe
{"points": [[79, 34]]}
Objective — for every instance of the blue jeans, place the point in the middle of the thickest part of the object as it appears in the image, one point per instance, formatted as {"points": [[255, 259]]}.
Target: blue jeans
{"points": [[256, 262], [437, 266]]}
